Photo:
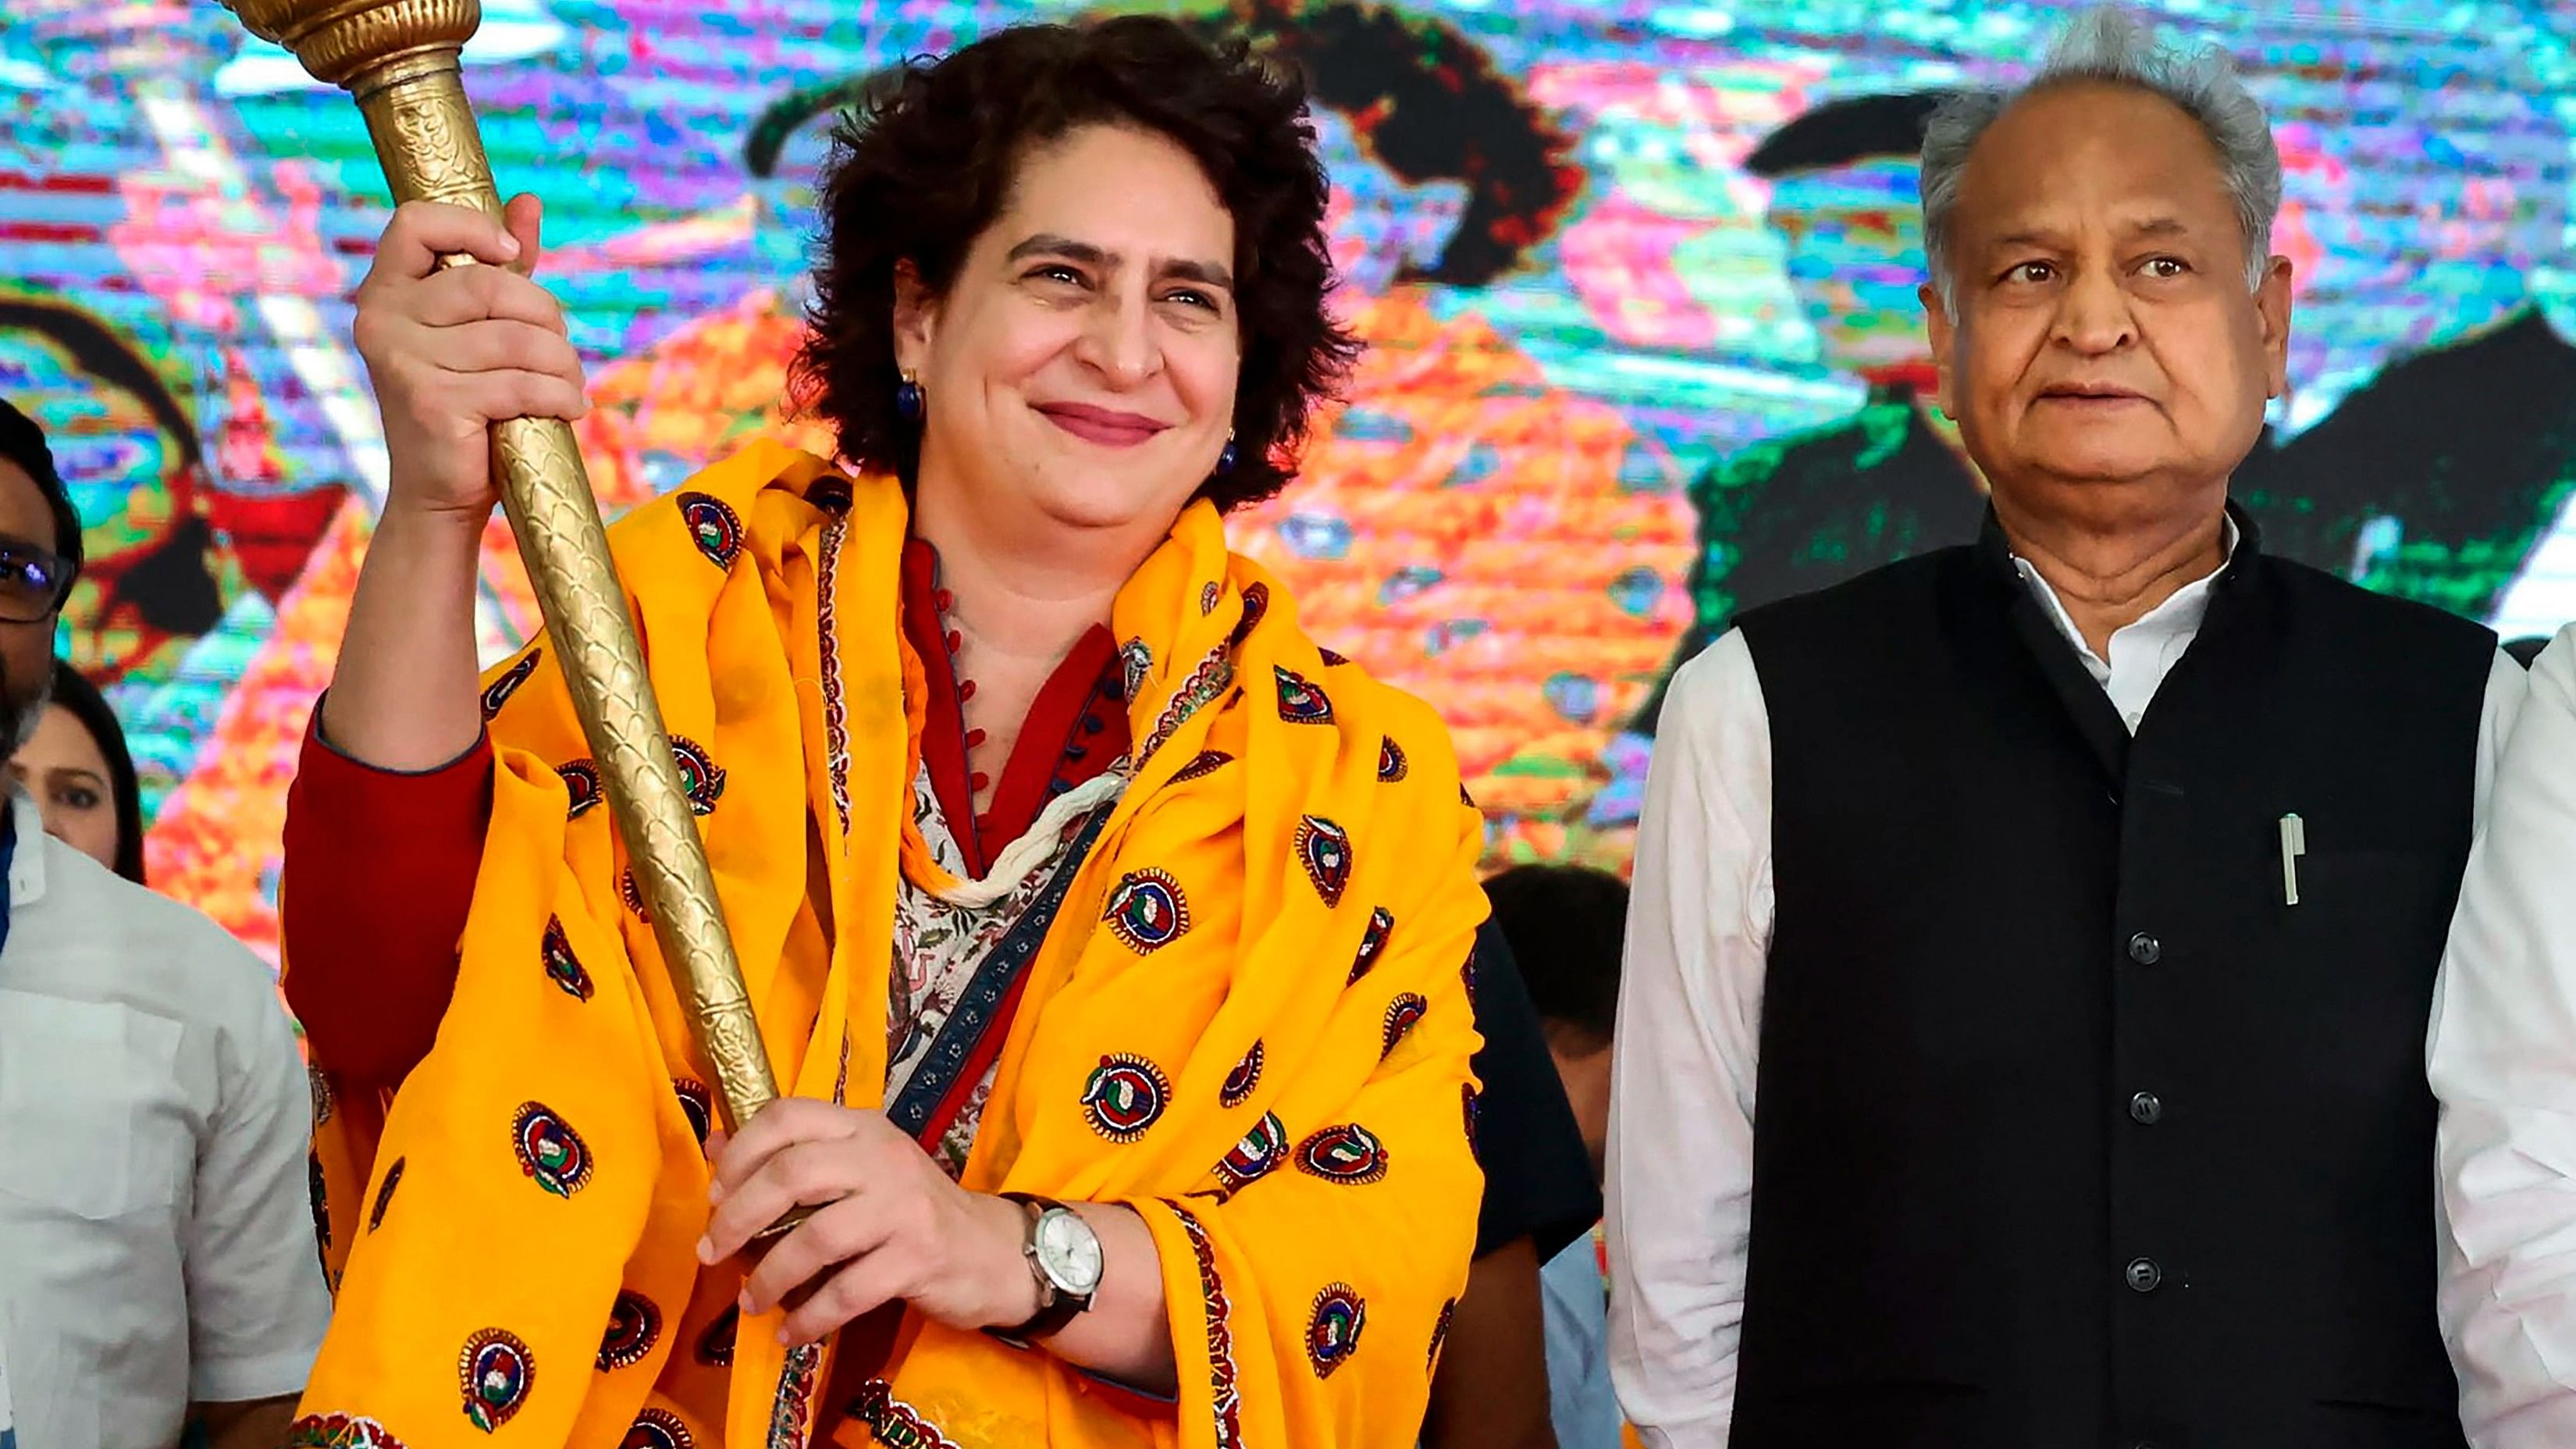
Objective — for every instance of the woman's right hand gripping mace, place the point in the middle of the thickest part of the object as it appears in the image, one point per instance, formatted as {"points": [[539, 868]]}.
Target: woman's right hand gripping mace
{"points": [[399, 58]]}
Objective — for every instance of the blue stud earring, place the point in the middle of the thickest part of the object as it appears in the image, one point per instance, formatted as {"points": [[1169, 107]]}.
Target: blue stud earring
{"points": [[1225, 457], [907, 398]]}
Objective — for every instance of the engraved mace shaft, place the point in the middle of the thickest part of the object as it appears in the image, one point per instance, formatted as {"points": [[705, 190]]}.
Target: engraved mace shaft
{"points": [[400, 59]]}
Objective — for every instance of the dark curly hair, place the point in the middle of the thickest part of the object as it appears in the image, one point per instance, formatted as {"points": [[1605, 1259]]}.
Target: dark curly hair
{"points": [[125, 792], [925, 164]]}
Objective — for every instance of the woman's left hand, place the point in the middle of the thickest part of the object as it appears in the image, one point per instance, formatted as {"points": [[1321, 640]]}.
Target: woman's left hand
{"points": [[888, 1224]]}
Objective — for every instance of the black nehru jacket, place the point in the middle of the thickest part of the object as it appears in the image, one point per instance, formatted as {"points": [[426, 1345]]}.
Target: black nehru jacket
{"points": [[2073, 1132]]}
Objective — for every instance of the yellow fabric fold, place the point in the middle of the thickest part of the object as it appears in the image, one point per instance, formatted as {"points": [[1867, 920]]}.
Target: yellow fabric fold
{"points": [[1248, 1020]]}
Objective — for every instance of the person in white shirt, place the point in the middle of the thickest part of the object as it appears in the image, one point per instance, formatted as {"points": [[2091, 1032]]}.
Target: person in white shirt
{"points": [[2503, 1055], [2072, 901], [158, 1265]]}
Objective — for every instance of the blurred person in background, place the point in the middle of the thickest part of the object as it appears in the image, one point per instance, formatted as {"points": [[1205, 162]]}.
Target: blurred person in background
{"points": [[1565, 924], [157, 1267], [76, 768], [1492, 1387], [2503, 1063]]}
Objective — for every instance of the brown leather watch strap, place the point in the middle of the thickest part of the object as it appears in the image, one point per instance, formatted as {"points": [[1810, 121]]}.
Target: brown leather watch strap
{"points": [[1061, 1307]]}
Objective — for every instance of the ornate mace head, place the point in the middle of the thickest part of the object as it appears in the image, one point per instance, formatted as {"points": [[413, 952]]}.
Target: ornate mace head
{"points": [[343, 41]]}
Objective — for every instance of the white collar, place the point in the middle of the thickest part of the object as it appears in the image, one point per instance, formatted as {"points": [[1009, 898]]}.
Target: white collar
{"points": [[27, 860], [2177, 617]]}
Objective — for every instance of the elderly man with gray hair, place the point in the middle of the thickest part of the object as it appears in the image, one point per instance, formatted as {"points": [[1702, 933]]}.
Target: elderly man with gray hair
{"points": [[2070, 900]]}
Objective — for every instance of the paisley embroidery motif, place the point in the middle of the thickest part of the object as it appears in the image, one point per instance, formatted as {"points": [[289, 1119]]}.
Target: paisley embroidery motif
{"points": [[549, 1150], [562, 968], [698, 775], [339, 1431], [1207, 598], [698, 1106], [496, 1371], [657, 1429], [1256, 1156], [1347, 1154], [1301, 701], [1135, 662], [385, 1195], [581, 782], [1333, 1332], [634, 1326], [1324, 849], [1240, 1082], [498, 692], [1256, 602], [714, 527], [1391, 765], [1401, 1014], [1126, 1095], [1147, 910], [715, 1346], [1205, 765], [1373, 941]]}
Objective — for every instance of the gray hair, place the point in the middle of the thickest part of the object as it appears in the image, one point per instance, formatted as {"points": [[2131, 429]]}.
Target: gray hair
{"points": [[2106, 43]]}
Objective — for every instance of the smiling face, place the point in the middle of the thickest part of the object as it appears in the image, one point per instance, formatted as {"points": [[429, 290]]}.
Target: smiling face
{"points": [[2106, 359], [1080, 370]]}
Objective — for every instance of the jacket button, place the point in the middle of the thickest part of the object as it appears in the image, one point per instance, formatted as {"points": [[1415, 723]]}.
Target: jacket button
{"points": [[2145, 949], [2144, 1276], [2146, 1108]]}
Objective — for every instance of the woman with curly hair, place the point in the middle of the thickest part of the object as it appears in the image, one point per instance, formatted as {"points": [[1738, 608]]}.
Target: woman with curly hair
{"points": [[1112, 939]]}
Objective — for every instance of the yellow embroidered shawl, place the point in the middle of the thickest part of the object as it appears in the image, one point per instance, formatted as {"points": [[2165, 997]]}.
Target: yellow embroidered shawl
{"points": [[1250, 1020]]}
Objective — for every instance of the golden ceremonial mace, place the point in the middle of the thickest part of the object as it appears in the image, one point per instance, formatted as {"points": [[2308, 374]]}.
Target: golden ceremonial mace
{"points": [[400, 59]]}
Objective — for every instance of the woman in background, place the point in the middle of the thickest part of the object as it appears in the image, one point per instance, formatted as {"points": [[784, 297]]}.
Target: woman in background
{"points": [[77, 768]]}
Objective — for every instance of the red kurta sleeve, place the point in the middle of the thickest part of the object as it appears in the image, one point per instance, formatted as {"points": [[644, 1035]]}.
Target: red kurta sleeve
{"points": [[379, 873]]}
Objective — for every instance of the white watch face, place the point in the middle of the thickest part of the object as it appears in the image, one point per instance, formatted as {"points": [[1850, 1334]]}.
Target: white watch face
{"points": [[1068, 1252]]}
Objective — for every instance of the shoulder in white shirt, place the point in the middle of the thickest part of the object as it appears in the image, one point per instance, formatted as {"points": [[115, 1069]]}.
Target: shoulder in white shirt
{"points": [[2502, 1053], [156, 1237]]}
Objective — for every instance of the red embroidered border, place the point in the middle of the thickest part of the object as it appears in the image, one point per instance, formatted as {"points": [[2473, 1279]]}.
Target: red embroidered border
{"points": [[790, 1414], [836, 719], [895, 1422], [1220, 1336]]}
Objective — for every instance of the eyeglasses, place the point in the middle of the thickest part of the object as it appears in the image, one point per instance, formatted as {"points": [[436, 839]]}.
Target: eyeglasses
{"points": [[33, 582]]}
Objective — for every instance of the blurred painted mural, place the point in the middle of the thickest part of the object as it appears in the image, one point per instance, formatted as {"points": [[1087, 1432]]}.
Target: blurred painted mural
{"points": [[1638, 280]]}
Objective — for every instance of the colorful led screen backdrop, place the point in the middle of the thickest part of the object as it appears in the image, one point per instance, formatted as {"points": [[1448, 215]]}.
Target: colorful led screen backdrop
{"points": [[1637, 278]]}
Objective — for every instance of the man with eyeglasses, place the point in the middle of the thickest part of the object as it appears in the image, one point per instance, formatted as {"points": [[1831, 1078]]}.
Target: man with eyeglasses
{"points": [[158, 1270]]}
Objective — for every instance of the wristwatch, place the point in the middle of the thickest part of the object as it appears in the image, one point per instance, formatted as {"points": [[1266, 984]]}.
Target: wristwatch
{"points": [[1064, 1256]]}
